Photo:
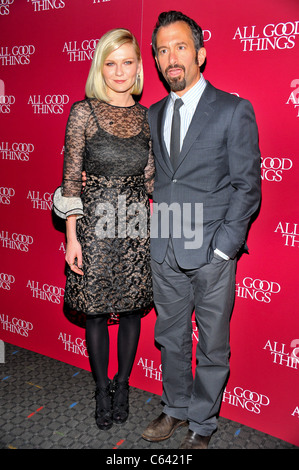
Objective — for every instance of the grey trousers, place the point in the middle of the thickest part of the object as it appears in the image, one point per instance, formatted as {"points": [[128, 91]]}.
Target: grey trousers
{"points": [[209, 291]]}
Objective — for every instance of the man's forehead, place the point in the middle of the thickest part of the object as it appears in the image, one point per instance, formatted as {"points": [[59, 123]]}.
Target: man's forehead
{"points": [[178, 31]]}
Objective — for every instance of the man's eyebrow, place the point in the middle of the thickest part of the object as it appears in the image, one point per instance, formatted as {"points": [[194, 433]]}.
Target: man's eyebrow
{"points": [[181, 43]]}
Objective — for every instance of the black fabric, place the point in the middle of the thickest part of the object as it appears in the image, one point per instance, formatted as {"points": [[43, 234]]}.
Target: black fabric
{"points": [[128, 337], [175, 132], [97, 340]]}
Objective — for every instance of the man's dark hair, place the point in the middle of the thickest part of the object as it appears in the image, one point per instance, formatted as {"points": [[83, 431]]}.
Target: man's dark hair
{"points": [[168, 17]]}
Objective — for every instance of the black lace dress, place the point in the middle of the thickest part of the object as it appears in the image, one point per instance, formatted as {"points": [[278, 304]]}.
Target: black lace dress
{"points": [[112, 144]]}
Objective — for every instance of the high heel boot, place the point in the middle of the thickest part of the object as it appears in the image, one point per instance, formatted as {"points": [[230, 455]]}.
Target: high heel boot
{"points": [[120, 401], [103, 414]]}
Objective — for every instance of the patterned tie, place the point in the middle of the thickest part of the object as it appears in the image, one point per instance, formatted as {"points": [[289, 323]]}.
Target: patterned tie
{"points": [[175, 132]]}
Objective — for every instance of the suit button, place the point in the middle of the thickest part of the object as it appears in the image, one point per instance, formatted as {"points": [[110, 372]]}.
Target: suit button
{"points": [[174, 181]]}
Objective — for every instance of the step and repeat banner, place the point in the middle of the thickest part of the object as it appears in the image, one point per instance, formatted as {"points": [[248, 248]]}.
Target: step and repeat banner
{"points": [[46, 48]]}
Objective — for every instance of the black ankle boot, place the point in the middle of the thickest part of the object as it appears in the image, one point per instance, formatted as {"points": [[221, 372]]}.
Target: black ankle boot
{"points": [[103, 412], [120, 401]]}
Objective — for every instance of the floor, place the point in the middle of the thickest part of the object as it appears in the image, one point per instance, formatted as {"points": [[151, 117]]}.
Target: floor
{"points": [[47, 404]]}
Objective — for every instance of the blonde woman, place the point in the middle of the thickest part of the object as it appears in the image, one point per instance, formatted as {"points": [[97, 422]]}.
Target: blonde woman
{"points": [[107, 249]]}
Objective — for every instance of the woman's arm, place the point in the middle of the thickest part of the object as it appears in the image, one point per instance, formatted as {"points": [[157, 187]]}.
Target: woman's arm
{"points": [[73, 254]]}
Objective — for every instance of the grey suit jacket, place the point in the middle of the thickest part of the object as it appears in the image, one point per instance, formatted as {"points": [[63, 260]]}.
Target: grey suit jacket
{"points": [[214, 189]]}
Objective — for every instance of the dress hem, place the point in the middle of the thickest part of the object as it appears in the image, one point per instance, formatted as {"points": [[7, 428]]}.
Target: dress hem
{"points": [[112, 317]]}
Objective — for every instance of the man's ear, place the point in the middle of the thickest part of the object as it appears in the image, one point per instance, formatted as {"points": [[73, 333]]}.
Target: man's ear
{"points": [[201, 55]]}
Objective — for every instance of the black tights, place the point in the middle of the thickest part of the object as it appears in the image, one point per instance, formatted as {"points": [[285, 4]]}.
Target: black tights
{"points": [[97, 339]]}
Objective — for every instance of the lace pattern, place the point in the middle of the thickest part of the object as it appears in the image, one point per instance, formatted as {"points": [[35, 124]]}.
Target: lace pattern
{"points": [[108, 141], [112, 144]]}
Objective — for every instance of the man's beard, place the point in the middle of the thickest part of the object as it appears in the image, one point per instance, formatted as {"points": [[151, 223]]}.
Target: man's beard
{"points": [[176, 83]]}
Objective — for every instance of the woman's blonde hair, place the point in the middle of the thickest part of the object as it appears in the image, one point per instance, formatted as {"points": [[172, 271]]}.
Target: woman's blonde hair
{"points": [[112, 40]]}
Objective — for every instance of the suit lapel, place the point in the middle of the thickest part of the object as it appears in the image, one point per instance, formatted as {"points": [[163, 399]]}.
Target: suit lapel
{"points": [[202, 115], [160, 133]]}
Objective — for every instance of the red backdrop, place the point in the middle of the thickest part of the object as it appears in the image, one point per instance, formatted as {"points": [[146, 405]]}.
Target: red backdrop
{"points": [[46, 48]]}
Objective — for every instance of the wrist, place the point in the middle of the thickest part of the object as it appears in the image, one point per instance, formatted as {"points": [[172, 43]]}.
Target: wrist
{"points": [[71, 237]]}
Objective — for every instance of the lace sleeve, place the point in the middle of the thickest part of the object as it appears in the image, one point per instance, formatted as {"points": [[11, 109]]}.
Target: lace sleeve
{"points": [[66, 198], [149, 171], [74, 150]]}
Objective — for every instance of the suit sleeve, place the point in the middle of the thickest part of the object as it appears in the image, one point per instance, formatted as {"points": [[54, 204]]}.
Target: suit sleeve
{"points": [[245, 176]]}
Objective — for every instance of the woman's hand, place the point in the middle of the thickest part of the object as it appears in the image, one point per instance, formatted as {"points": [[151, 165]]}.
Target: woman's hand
{"points": [[73, 256], [73, 253]]}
